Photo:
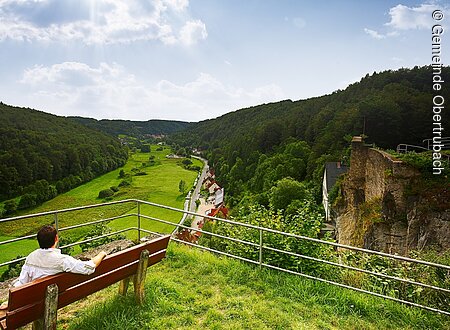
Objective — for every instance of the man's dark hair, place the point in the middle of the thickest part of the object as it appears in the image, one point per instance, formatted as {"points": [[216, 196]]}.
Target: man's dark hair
{"points": [[46, 237]]}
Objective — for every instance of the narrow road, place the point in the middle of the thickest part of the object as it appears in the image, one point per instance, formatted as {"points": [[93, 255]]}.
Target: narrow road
{"points": [[192, 196]]}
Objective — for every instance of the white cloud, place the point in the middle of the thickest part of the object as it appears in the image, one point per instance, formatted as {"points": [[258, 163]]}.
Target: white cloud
{"points": [[374, 34], [100, 21], [410, 18], [193, 31], [403, 18], [109, 91]]}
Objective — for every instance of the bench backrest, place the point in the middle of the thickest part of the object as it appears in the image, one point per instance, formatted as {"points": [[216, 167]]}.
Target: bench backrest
{"points": [[26, 303]]}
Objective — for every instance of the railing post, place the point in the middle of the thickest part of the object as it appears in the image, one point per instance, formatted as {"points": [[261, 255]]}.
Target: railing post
{"points": [[139, 220], [260, 247], [56, 221]]}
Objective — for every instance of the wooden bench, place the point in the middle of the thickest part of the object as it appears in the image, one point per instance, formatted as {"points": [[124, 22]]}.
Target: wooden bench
{"points": [[39, 300]]}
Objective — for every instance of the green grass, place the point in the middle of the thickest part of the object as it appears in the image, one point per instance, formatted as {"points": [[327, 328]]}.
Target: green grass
{"points": [[160, 185], [192, 289]]}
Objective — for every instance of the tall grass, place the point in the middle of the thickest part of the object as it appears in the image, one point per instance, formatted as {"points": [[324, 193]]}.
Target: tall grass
{"points": [[192, 289]]}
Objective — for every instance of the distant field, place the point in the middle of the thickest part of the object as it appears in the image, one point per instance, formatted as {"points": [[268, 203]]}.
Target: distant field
{"points": [[160, 185]]}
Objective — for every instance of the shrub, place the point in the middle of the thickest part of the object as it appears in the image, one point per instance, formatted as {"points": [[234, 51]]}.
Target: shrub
{"points": [[10, 207], [124, 183], [26, 201], [105, 193], [114, 188], [13, 270], [140, 173], [98, 230]]}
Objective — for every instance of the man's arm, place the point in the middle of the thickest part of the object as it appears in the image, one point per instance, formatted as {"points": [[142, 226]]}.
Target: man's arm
{"points": [[98, 258]]}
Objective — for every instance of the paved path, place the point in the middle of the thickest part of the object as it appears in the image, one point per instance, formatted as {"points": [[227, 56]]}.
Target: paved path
{"points": [[189, 203]]}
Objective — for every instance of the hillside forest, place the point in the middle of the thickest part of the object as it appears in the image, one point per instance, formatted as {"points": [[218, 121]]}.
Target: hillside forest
{"points": [[254, 150], [42, 155]]}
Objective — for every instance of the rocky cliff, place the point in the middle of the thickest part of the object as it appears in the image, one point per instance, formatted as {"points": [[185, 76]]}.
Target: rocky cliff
{"points": [[386, 205]]}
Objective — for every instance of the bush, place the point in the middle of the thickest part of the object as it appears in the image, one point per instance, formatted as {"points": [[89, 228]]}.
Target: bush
{"points": [[13, 270], [105, 193], [10, 207], [98, 230], [124, 183], [140, 173], [26, 201], [114, 188]]}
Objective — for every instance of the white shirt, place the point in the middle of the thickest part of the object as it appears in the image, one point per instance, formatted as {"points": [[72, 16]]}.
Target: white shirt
{"points": [[44, 262]]}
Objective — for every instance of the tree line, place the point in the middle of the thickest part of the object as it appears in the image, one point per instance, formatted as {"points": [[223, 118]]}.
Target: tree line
{"points": [[42, 155], [252, 148]]}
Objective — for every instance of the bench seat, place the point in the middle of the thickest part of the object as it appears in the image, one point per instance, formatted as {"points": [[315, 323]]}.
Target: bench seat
{"points": [[27, 302]]}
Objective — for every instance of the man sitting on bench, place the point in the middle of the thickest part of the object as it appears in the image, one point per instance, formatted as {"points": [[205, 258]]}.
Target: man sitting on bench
{"points": [[48, 260]]}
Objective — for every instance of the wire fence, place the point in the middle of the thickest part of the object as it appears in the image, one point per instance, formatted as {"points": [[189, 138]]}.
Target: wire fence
{"points": [[260, 246]]}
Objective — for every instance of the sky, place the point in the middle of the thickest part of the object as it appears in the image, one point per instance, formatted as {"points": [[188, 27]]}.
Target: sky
{"points": [[192, 60]]}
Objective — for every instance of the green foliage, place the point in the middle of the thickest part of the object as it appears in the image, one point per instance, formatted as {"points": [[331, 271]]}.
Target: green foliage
{"points": [[129, 130], [182, 186], [99, 230], [229, 294], [40, 151], [122, 174], [251, 149], [105, 193], [10, 207], [13, 270], [145, 148], [284, 192], [114, 189], [27, 200], [305, 220], [422, 161], [125, 183], [414, 272]]}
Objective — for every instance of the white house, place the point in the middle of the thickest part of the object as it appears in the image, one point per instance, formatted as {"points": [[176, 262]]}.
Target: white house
{"points": [[332, 171]]}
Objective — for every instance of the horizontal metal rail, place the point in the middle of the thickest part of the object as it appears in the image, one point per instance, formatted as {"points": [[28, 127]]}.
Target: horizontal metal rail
{"points": [[358, 269], [359, 290], [20, 217], [95, 222], [236, 240], [309, 276], [17, 239], [304, 237], [97, 237]]}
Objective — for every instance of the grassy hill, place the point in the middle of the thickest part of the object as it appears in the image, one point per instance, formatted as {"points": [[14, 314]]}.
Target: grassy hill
{"points": [[192, 289], [160, 185]]}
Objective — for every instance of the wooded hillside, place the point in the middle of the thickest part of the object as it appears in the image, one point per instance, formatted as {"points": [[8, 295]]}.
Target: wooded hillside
{"points": [[138, 129], [43, 154], [253, 148]]}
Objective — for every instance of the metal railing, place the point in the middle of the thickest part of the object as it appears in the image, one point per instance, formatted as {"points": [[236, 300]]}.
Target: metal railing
{"points": [[260, 246]]}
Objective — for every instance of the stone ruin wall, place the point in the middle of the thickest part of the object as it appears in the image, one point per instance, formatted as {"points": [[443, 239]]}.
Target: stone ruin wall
{"points": [[374, 210]]}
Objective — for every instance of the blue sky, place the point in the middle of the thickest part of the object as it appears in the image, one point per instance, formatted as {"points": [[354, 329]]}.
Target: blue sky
{"points": [[198, 59]]}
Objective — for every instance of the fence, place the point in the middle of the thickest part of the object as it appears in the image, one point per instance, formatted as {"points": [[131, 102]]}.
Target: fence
{"points": [[259, 246]]}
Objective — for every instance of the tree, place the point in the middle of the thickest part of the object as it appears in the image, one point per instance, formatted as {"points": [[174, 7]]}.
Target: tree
{"points": [[182, 186], [105, 193], [285, 191], [27, 200], [121, 174], [10, 207], [145, 148]]}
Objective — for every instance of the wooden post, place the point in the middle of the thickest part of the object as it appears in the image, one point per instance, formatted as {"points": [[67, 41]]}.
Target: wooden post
{"points": [[48, 322], [139, 278], [123, 286]]}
